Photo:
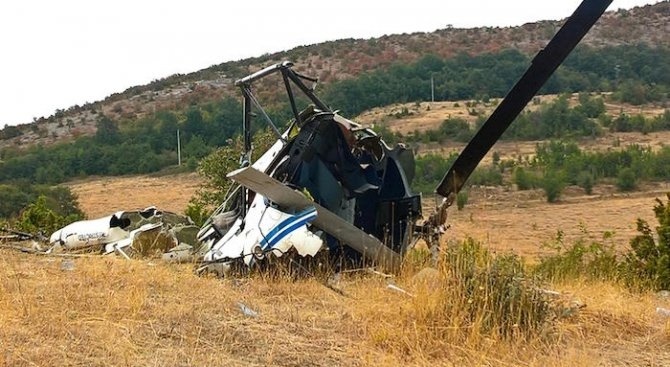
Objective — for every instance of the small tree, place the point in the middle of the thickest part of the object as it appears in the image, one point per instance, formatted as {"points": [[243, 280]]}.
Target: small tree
{"points": [[553, 184], [38, 217], [648, 264], [523, 179], [585, 180], [216, 165], [461, 199], [626, 180]]}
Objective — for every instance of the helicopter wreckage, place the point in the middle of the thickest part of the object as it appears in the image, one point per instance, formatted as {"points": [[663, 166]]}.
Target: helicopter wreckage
{"points": [[329, 184]]}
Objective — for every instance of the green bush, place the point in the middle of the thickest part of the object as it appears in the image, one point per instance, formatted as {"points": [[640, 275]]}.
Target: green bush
{"points": [[461, 199], [37, 217], [626, 180], [585, 180], [486, 176], [215, 166], [494, 294], [648, 264], [589, 259], [553, 184], [524, 180]]}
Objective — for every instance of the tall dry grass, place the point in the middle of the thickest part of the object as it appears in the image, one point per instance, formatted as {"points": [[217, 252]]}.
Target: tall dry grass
{"points": [[114, 312]]}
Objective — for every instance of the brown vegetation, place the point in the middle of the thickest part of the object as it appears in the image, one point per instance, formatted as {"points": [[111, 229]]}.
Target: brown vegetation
{"points": [[109, 311]]}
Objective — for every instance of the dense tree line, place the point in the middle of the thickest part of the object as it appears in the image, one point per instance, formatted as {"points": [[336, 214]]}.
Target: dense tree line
{"points": [[142, 146], [637, 74]]}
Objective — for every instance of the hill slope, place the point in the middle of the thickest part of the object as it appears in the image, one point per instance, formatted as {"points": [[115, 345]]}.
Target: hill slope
{"points": [[332, 61]]}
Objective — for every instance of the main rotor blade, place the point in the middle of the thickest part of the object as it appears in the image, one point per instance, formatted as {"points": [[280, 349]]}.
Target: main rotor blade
{"points": [[542, 67]]}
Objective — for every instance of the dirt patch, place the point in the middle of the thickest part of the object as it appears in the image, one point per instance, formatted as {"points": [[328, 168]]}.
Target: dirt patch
{"points": [[522, 220]]}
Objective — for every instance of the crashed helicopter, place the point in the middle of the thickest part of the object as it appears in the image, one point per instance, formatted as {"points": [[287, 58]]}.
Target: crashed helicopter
{"points": [[329, 183]]}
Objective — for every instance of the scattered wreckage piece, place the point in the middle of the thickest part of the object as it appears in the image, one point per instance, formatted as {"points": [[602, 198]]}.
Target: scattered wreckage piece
{"points": [[14, 235], [119, 232]]}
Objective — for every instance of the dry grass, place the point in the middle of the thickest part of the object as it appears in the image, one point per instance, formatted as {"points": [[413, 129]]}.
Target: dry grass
{"points": [[112, 312], [102, 196], [523, 220], [109, 311]]}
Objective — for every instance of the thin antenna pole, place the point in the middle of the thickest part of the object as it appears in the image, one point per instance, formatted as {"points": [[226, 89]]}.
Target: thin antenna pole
{"points": [[178, 148]]}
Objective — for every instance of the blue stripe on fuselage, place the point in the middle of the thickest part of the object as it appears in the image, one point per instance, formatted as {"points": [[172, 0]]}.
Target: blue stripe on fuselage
{"points": [[287, 226]]}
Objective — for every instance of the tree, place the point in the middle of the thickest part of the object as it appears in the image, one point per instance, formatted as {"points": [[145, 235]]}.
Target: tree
{"points": [[649, 261], [217, 164], [107, 131], [626, 179], [553, 184]]}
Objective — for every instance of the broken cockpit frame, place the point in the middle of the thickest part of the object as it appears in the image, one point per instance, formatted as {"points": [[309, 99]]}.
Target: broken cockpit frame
{"points": [[353, 193], [328, 183]]}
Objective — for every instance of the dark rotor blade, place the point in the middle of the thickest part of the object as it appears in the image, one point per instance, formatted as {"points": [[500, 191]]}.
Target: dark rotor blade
{"points": [[542, 67]]}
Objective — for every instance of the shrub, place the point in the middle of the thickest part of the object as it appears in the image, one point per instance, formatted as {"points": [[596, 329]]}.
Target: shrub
{"points": [[648, 264], [626, 180], [461, 199], [553, 184], [489, 176], [493, 294], [214, 167], [590, 259], [585, 180], [37, 217], [524, 180]]}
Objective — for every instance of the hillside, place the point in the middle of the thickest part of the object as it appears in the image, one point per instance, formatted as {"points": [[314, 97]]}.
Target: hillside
{"points": [[332, 61], [410, 119]]}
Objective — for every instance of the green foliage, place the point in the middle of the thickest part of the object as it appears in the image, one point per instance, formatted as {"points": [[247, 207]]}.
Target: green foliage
{"points": [[553, 184], [461, 199], [593, 260], [525, 180], [645, 266], [627, 123], [500, 298], [591, 107], [486, 176], [626, 180], [38, 217], [585, 180], [648, 264], [13, 198], [144, 145], [454, 129], [197, 211], [553, 121], [645, 71], [430, 169], [214, 168]]}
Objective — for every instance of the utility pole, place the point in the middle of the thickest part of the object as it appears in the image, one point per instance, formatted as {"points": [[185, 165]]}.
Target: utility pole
{"points": [[178, 148], [432, 89]]}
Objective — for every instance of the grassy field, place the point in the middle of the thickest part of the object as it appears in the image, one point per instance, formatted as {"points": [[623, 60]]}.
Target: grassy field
{"points": [[107, 311], [113, 312]]}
